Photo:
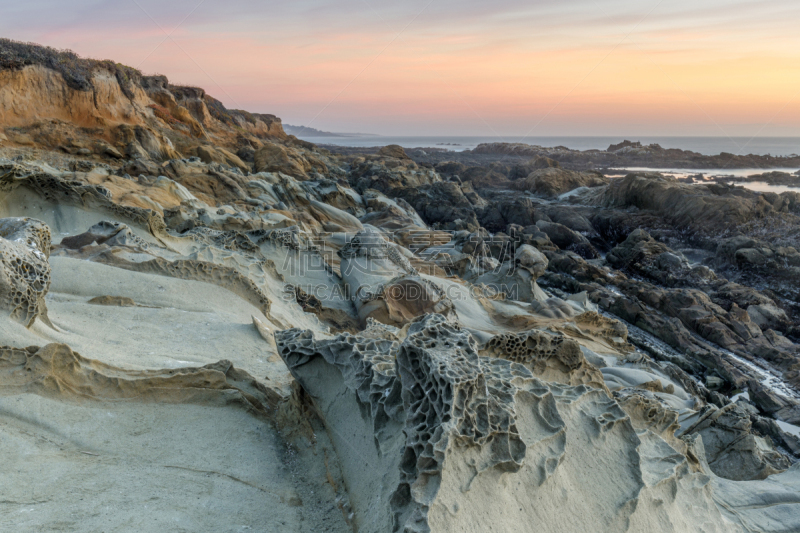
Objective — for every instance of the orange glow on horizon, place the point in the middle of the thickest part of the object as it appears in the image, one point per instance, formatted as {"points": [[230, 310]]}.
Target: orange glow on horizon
{"points": [[659, 74]]}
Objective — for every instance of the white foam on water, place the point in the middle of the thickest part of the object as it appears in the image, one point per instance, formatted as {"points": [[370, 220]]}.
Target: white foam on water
{"points": [[767, 376]]}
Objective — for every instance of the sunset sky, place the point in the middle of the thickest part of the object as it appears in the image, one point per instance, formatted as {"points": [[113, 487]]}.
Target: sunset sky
{"points": [[468, 67]]}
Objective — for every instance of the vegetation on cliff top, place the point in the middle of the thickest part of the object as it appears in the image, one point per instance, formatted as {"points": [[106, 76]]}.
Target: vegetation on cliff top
{"points": [[76, 71]]}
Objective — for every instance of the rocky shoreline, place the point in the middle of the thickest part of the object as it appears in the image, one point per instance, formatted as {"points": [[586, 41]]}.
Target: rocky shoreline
{"points": [[625, 154], [241, 330]]}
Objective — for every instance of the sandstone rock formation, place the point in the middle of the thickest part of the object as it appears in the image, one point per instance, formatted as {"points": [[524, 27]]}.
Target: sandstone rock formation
{"points": [[276, 158], [279, 336], [57, 100], [24, 270], [549, 357], [478, 426], [394, 151]]}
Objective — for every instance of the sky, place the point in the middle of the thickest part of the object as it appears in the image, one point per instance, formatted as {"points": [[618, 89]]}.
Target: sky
{"points": [[520, 68]]}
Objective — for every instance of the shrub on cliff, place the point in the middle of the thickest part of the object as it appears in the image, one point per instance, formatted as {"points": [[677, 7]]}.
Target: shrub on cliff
{"points": [[76, 71]]}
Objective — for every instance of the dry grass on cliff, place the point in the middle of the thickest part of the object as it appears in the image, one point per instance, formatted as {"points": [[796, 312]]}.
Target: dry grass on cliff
{"points": [[76, 71]]}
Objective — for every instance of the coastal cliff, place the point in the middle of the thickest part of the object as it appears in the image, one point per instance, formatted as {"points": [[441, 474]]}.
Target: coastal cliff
{"points": [[209, 319]]}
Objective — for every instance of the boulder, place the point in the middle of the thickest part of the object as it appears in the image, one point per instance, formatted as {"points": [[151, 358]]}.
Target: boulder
{"points": [[276, 158], [570, 218], [215, 154], [393, 150], [110, 233], [768, 316], [553, 181], [567, 239], [484, 177], [450, 168], [441, 203], [403, 299], [529, 258], [497, 215], [640, 251]]}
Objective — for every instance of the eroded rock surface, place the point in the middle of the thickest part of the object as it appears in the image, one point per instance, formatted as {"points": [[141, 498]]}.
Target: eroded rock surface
{"points": [[419, 340], [24, 270], [483, 431]]}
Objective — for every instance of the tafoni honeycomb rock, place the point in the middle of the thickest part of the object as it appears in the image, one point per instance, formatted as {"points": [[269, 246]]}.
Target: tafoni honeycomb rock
{"points": [[434, 437], [24, 270]]}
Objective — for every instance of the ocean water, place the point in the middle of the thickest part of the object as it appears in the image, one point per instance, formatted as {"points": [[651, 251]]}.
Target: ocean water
{"points": [[761, 186], [704, 145], [778, 146], [719, 174], [715, 173]]}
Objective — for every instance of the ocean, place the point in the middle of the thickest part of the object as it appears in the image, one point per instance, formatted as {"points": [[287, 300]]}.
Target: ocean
{"points": [[703, 145], [719, 175]]}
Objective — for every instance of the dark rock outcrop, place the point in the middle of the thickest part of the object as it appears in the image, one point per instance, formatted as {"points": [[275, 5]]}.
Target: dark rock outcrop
{"points": [[553, 181]]}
